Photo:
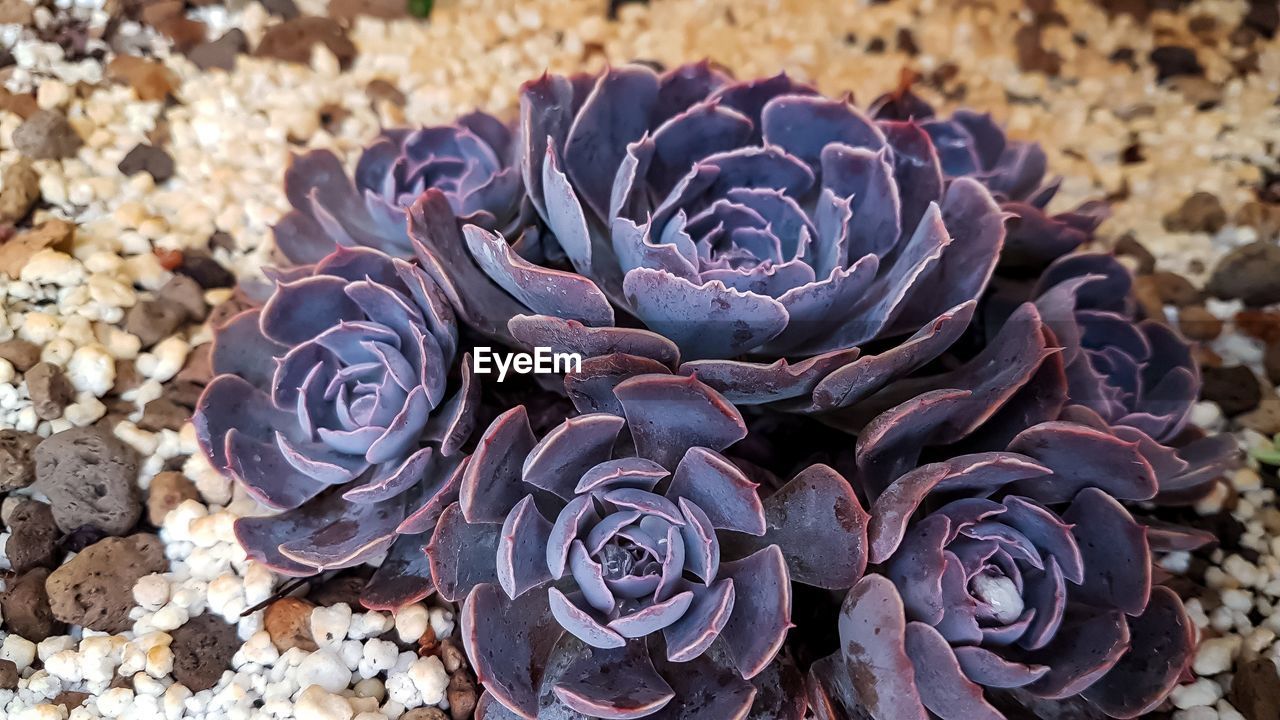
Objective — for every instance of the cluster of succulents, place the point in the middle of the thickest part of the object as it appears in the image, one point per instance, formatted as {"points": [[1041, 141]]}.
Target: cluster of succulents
{"points": [[860, 428]]}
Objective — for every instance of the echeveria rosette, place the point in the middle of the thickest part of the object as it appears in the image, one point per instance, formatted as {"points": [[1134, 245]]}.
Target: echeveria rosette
{"points": [[1013, 576], [1136, 376], [971, 144], [469, 162], [621, 566], [756, 231], [333, 403]]}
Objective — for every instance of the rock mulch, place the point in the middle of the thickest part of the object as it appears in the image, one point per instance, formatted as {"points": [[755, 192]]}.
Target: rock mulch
{"points": [[142, 146]]}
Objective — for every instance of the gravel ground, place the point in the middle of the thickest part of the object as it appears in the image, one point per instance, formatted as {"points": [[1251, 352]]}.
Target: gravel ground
{"points": [[142, 146]]}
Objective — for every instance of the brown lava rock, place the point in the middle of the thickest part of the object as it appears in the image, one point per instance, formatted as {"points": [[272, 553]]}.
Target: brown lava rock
{"points": [[1271, 361], [49, 389], [220, 53], [1250, 273], [202, 651], [187, 294], [90, 478], [168, 491], [425, 713], [1255, 690], [292, 40], [25, 604], [154, 320], [1173, 289], [1198, 323], [17, 465], [8, 675], [34, 539], [70, 699], [95, 588], [288, 622], [21, 354], [19, 190], [163, 414], [149, 159], [46, 135], [1235, 389], [1200, 212]]}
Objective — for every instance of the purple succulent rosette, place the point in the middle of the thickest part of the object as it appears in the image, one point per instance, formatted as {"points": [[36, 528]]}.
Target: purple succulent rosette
{"points": [[1137, 377], [333, 403], [1005, 576], [973, 145], [622, 567], [469, 162], [757, 231]]}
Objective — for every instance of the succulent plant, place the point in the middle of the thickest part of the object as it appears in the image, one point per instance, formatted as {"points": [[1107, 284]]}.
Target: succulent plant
{"points": [[469, 162], [1011, 576], [332, 402], [1137, 377], [756, 230], [971, 144], [621, 566]]}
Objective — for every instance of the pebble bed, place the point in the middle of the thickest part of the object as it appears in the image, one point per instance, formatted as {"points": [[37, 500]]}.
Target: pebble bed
{"points": [[142, 146]]}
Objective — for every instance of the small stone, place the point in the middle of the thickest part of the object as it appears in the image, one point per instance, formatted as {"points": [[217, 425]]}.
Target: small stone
{"points": [[168, 490], [220, 53], [46, 135], [149, 159], [17, 460], [379, 90], [292, 40], [19, 191], [33, 541], [184, 32], [90, 478], [149, 79], [1255, 690], [1263, 18], [127, 377], [21, 354], [324, 668], [202, 651], [1263, 217], [153, 321], [1265, 419], [1175, 60], [452, 655], [1235, 389], [9, 675], [429, 678], [95, 588], [163, 414], [197, 372], [69, 699], [157, 11], [462, 695], [15, 253], [286, 9], [16, 12], [1173, 289], [25, 605], [23, 105], [428, 713], [50, 390], [184, 292], [1199, 212], [1032, 54], [1200, 92], [200, 266], [1271, 361], [348, 10], [288, 621], [1250, 273]]}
